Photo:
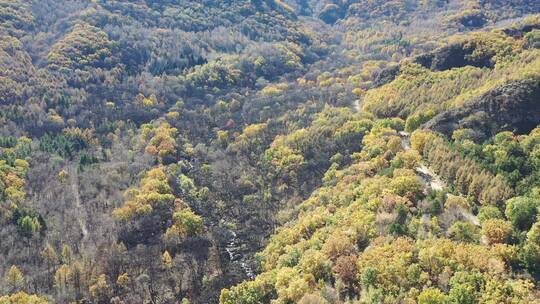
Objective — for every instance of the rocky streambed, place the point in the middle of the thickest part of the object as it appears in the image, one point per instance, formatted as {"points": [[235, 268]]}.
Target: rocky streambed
{"points": [[236, 251]]}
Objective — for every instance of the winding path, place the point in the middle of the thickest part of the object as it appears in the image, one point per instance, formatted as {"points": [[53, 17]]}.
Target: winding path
{"points": [[429, 178], [432, 180]]}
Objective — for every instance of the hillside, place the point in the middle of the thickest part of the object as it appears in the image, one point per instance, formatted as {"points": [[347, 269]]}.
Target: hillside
{"points": [[266, 151]]}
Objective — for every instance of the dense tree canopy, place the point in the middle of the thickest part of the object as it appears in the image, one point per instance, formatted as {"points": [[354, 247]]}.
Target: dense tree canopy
{"points": [[269, 151]]}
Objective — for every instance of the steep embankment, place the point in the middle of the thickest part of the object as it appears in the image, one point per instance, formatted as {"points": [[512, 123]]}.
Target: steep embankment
{"points": [[514, 106]]}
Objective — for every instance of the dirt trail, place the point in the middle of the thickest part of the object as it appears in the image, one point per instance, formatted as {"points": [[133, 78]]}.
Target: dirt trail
{"points": [[81, 218], [432, 180], [429, 178]]}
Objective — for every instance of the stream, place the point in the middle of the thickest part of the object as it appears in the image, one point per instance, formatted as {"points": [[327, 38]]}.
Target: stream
{"points": [[235, 250]]}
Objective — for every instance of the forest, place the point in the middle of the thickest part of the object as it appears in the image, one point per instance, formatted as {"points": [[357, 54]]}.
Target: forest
{"points": [[270, 151]]}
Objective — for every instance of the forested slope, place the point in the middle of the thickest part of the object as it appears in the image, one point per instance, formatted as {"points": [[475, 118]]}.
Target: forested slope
{"points": [[265, 151]]}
